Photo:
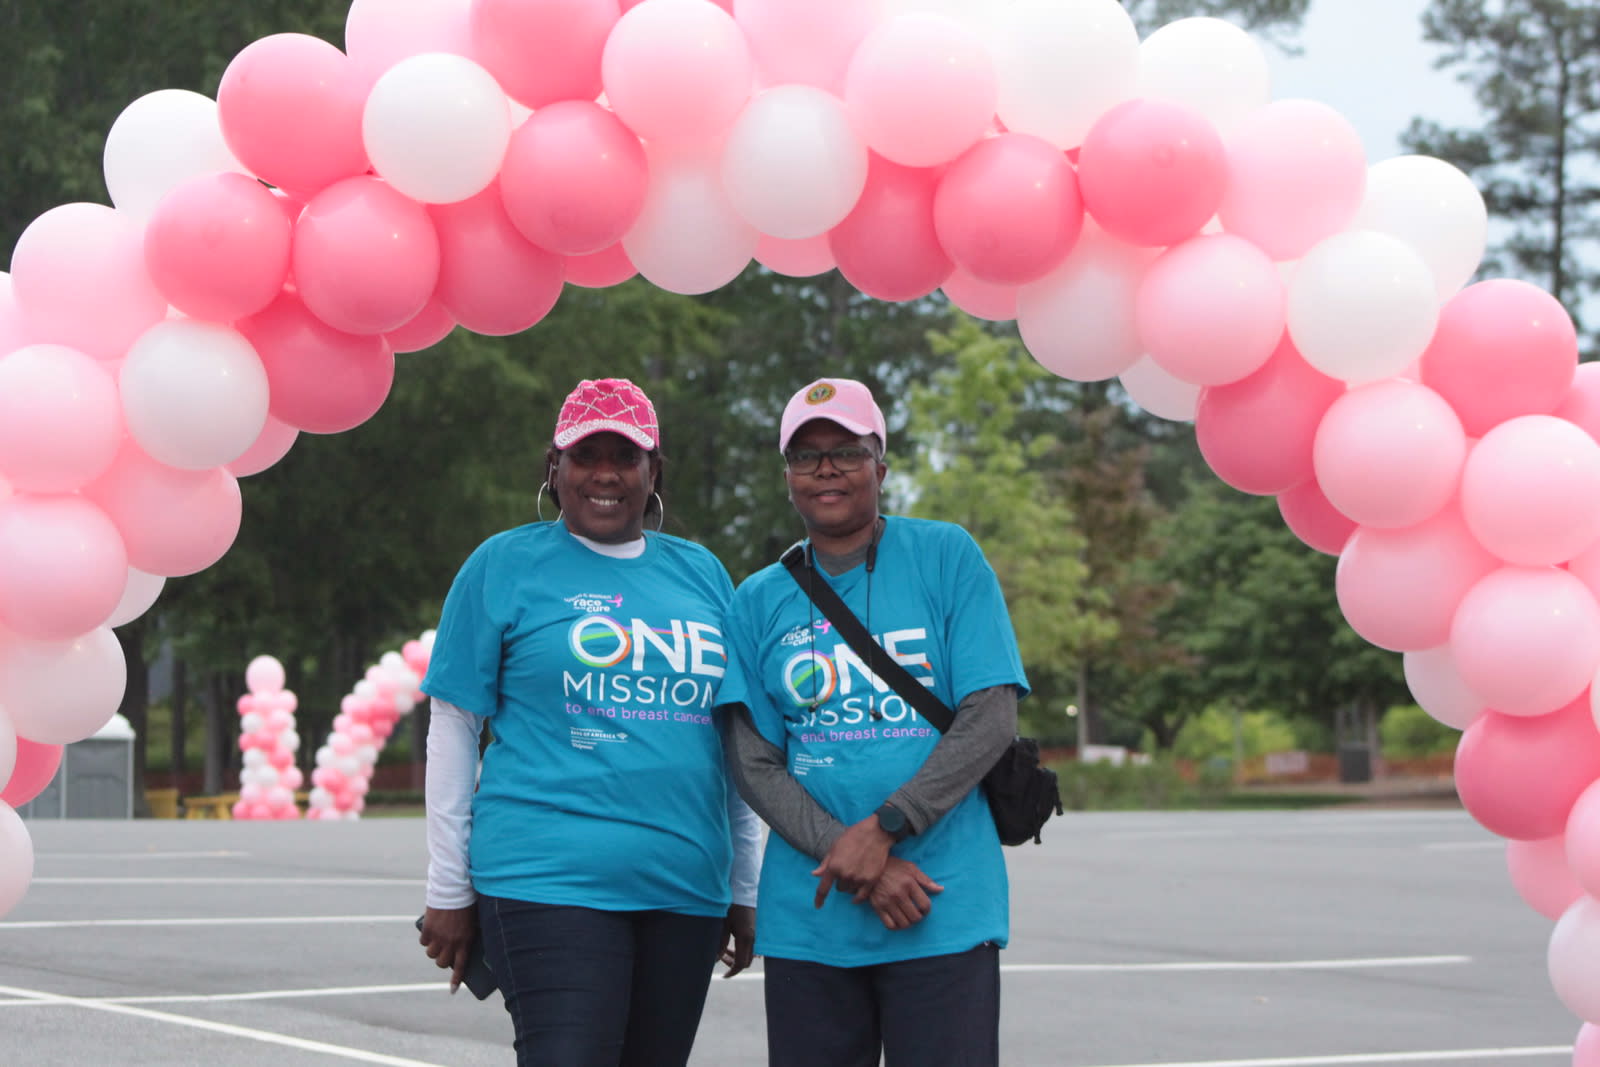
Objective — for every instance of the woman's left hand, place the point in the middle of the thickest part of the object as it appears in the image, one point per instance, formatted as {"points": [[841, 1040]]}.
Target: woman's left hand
{"points": [[738, 939]]}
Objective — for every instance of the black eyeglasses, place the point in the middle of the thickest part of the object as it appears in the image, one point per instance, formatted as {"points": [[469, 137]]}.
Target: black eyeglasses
{"points": [[845, 458]]}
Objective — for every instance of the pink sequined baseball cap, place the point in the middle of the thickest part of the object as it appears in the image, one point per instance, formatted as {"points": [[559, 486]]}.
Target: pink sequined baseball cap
{"points": [[602, 405], [841, 400]]}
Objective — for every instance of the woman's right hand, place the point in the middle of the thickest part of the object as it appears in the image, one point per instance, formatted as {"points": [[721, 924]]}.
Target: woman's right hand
{"points": [[903, 895], [447, 935]]}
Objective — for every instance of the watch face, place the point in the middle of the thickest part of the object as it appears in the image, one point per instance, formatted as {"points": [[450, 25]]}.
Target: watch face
{"points": [[891, 819]]}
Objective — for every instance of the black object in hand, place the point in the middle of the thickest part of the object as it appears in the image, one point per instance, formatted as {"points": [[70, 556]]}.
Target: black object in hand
{"points": [[479, 979]]}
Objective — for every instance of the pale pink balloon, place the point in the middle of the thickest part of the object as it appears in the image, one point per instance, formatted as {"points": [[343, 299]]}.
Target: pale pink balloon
{"points": [[58, 692], [16, 859], [1519, 776], [1211, 310], [60, 419], [1008, 211], [980, 299], [63, 567], [13, 334], [804, 42], [79, 279], [1586, 1048], [290, 107], [1389, 454], [1530, 490], [1152, 172], [1540, 875], [804, 258], [600, 270], [217, 246], [1296, 174], [888, 247], [1574, 947], [366, 258], [1580, 844], [423, 330], [1502, 348], [380, 33], [322, 380], [174, 522], [1080, 320], [491, 279], [36, 765], [921, 89], [1527, 639], [270, 446], [1400, 589], [137, 598], [264, 674], [689, 239], [1438, 689], [677, 71], [1581, 405], [1257, 433], [574, 178], [546, 51], [1317, 523]]}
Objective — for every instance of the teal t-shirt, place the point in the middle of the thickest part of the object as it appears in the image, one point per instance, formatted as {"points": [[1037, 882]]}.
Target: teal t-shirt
{"points": [[936, 607], [604, 785]]}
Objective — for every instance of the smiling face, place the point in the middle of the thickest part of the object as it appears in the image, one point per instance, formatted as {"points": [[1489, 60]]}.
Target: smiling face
{"points": [[602, 484], [839, 507]]}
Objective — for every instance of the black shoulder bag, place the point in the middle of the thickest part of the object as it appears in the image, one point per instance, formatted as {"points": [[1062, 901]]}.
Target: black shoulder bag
{"points": [[1022, 793]]}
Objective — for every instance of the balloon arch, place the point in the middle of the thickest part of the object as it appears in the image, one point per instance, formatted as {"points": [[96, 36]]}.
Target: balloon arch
{"points": [[1143, 210]]}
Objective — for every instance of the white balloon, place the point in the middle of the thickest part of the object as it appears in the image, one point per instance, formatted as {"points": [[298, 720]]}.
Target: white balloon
{"points": [[688, 239], [365, 689], [57, 692], [1435, 209], [288, 741], [792, 165], [320, 798], [252, 722], [16, 859], [392, 662], [1438, 689], [8, 748], [160, 141], [1574, 947], [194, 394], [1158, 392], [137, 598], [436, 127], [1078, 321], [1208, 65], [1061, 65], [254, 757], [1362, 306]]}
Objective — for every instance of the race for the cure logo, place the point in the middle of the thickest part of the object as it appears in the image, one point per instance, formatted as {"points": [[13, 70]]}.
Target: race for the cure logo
{"points": [[820, 393], [592, 602]]}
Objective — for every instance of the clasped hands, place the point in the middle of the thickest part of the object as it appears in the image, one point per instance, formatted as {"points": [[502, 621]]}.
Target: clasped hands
{"points": [[860, 863]]}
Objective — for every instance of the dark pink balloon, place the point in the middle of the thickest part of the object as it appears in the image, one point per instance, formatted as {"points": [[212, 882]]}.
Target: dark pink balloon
{"points": [[544, 52], [322, 379], [1520, 776], [492, 279], [574, 178], [1152, 172], [1316, 522], [423, 330], [36, 765], [1257, 433], [602, 269], [1008, 211], [888, 246], [217, 246]]}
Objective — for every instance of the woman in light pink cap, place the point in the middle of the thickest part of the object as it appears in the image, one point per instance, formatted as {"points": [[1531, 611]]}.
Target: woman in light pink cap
{"points": [[603, 862]]}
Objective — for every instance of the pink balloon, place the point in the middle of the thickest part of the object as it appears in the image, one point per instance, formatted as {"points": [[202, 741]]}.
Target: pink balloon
{"points": [[574, 178], [921, 89], [1400, 589], [1530, 490], [1527, 639], [980, 299], [1008, 210], [423, 330], [1313, 520], [1257, 433], [1296, 174], [1581, 405], [1580, 846], [1211, 310], [380, 33], [60, 419], [1502, 348], [1389, 454], [273, 444], [491, 279], [887, 247], [805, 42], [677, 70], [1152, 172], [366, 258], [174, 522], [600, 270], [1520, 776], [63, 566], [1586, 1049], [217, 246], [264, 674], [803, 258], [36, 765], [58, 692], [543, 51], [79, 279], [13, 334], [1540, 875], [323, 380], [290, 106]]}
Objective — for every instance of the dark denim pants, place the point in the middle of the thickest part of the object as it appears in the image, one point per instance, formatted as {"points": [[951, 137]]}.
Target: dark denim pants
{"points": [[588, 988]]}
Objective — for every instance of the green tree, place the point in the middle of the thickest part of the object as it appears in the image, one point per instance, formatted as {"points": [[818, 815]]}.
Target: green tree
{"points": [[1275, 19], [1534, 68]]}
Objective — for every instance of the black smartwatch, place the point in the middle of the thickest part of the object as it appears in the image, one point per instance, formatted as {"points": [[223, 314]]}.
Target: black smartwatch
{"points": [[894, 823]]}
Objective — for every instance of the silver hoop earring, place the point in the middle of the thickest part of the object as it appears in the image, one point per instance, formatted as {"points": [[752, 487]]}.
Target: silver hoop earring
{"points": [[538, 504], [661, 511]]}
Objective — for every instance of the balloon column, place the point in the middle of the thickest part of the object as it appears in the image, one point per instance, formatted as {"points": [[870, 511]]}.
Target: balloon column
{"points": [[267, 738], [367, 717], [1143, 209]]}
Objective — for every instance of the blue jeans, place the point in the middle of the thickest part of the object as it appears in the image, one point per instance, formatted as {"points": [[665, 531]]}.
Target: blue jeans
{"points": [[937, 1011], [588, 988]]}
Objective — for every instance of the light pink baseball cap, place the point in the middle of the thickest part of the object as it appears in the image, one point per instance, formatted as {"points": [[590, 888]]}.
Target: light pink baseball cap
{"points": [[841, 400], [604, 405]]}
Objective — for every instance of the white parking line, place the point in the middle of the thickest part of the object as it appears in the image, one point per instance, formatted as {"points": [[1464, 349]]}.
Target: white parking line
{"points": [[1463, 846], [1443, 1055], [1245, 965], [269, 920], [212, 854], [437, 986], [267, 1037], [229, 881]]}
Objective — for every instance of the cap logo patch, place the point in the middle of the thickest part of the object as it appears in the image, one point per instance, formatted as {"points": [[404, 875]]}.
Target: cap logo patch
{"points": [[820, 393]]}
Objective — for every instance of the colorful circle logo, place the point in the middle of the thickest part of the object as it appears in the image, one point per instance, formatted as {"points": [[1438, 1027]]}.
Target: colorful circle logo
{"points": [[599, 641], [820, 393], [810, 678]]}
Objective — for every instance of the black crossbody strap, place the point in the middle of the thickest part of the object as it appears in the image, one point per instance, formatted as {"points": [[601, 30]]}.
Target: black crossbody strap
{"points": [[855, 635]]}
